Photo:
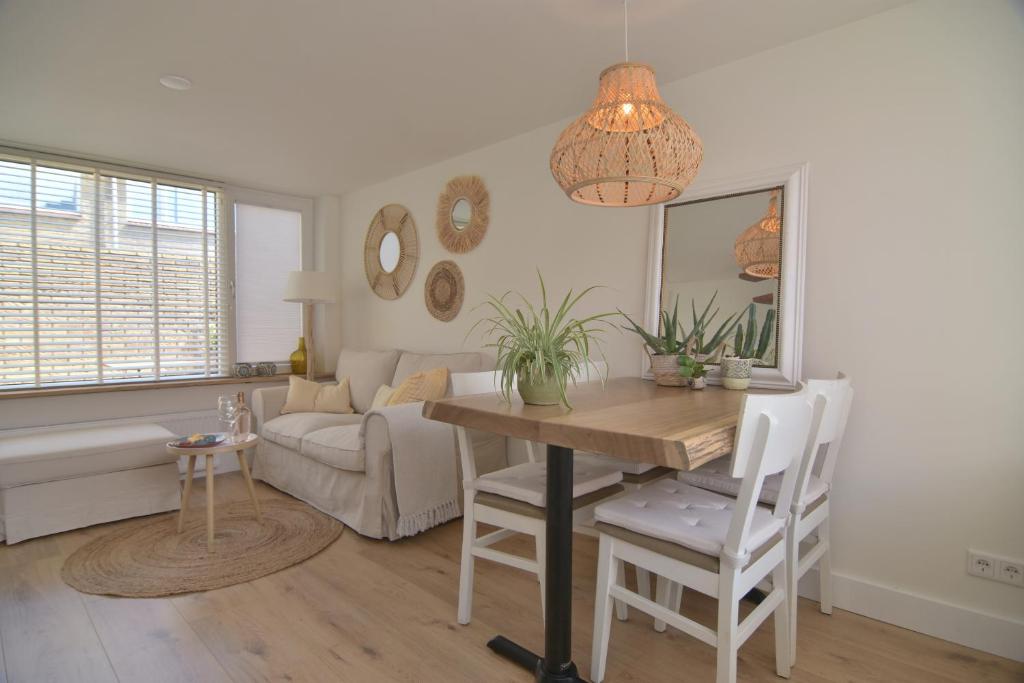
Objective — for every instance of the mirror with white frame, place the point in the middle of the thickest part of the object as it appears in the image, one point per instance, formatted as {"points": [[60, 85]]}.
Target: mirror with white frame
{"points": [[730, 253]]}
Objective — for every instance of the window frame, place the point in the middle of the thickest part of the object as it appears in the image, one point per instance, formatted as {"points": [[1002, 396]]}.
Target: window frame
{"points": [[229, 195]]}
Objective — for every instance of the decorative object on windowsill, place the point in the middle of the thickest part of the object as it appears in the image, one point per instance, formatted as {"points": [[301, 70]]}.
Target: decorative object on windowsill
{"points": [[298, 358], [444, 291], [266, 369], [629, 148], [242, 370], [390, 251], [463, 213], [692, 371], [539, 349], [757, 249], [673, 340], [307, 287]]}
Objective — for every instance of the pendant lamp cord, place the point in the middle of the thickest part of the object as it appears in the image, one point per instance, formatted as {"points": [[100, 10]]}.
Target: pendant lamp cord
{"points": [[625, 23]]}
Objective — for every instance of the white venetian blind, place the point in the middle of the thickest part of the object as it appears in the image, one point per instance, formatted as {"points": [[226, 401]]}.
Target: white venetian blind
{"points": [[106, 277]]}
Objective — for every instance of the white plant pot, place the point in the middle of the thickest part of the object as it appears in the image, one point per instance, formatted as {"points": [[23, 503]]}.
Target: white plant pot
{"points": [[736, 373]]}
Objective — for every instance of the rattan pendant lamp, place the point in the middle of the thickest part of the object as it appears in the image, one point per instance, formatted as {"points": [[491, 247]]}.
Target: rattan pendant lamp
{"points": [[757, 248], [629, 148]]}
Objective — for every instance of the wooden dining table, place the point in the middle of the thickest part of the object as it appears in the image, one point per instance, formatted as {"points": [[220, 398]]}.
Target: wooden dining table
{"points": [[628, 418]]}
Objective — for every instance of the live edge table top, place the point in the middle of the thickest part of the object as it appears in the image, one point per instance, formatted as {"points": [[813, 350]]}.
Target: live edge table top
{"points": [[628, 417]]}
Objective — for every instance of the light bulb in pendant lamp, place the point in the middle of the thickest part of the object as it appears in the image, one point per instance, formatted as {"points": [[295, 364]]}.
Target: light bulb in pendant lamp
{"points": [[629, 148], [757, 248]]}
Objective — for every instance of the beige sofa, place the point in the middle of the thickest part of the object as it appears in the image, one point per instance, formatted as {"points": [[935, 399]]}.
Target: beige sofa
{"points": [[342, 464]]}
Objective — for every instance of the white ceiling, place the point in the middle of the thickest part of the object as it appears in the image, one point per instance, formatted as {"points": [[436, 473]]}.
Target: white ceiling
{"points": [[323, 96]]}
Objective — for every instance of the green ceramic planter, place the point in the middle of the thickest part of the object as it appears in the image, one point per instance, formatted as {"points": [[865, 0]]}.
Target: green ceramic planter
{"points": [[542, 393]]}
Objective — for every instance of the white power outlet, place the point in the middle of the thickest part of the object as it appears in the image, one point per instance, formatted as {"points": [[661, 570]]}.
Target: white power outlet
{"points": [[980, 564], [1010, 572], [1001, 569]]}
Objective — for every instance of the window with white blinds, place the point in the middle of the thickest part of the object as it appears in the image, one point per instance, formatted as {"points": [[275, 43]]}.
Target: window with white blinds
{"points": [[108, 277]]}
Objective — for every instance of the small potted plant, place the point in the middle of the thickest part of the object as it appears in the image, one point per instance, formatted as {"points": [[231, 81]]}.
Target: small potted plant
{"points": [[542, 350], [693, 371], [749, 347], [665, 348]]}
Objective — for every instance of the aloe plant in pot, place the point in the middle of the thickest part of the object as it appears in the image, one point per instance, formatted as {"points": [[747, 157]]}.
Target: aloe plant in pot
{"points": [[539, 350], [749, 348]]}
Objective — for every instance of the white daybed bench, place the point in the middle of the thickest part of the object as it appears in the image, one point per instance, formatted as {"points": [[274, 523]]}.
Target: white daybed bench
{"points": [[61, 478]]}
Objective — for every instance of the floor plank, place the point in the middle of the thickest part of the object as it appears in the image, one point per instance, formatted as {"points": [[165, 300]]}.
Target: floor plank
{"points": [[148, 640], [47, 633], [366, 610]]}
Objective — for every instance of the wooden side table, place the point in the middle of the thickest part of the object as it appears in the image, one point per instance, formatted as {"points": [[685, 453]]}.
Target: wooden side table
{"points": [[239, 444]]}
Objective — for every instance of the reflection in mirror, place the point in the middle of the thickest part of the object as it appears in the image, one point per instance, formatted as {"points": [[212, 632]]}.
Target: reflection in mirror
{"points": [[725, 251], [462, 212], [389, 252]]}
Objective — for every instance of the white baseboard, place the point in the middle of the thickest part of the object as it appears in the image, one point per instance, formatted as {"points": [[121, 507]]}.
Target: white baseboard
{"points": [[986, 632]]}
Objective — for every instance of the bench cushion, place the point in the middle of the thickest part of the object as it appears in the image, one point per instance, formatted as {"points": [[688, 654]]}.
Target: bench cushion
{"points": [[289, 430], [34, 457], [338, 447]]}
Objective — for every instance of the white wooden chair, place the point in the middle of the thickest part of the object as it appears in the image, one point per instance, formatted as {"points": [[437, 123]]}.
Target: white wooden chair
{"points": [[513, 499], [810, 509], [718, 545]]}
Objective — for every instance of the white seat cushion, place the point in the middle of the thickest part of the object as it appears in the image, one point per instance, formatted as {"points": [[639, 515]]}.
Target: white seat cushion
{"points": [[528, 482], [288, 430], [714, 476], [621, 464], [683, 514], [35, 457], [338, 447]]}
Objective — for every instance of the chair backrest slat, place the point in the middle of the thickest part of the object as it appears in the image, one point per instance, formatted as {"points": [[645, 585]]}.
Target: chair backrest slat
{"points": [[772, 434]]}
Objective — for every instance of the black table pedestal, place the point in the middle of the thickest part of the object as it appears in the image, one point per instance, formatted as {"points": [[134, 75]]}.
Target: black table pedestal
{"points": [[556, 666]]}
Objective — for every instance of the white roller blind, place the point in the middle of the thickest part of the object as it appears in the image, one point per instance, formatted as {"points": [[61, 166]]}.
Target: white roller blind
{"points": [[267, 247], [106, 277]]}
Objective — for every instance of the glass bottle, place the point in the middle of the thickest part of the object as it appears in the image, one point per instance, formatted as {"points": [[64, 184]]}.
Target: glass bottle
{"points": [[243, 423]]}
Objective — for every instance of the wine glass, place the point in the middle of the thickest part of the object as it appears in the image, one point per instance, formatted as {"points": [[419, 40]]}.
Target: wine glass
{"points": [[227, 412]]}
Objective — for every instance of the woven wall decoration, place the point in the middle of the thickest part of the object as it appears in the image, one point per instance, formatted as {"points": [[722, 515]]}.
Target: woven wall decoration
{"points": [[445, 290], [463, 213], [757, 249], [380, 250]]}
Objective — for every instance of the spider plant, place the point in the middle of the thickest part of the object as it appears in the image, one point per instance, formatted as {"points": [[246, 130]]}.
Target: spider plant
{"points": [[535, 346]]}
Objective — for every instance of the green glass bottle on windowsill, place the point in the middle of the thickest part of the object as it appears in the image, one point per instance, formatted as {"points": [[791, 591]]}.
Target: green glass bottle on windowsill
{"points": [[298, 358]]}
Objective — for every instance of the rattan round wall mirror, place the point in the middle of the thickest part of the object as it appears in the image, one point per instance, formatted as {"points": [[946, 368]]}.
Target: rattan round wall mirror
{"points": [[391, 251], [463, 212]]}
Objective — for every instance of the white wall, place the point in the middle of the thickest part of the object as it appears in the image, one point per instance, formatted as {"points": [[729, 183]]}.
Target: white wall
{"points": [[911, 121]]}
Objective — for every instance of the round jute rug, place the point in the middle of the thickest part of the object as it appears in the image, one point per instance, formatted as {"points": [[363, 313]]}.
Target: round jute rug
{"points": [[150, 558]]}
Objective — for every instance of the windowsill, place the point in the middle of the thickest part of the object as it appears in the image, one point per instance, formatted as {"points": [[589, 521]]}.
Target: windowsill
{"points": [[36, 392]]}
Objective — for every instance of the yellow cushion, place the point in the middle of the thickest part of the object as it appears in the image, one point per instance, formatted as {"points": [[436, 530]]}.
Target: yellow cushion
{"points": [[421, 386], [334, 398], [312, 397], [382, 397], [301, 396]]}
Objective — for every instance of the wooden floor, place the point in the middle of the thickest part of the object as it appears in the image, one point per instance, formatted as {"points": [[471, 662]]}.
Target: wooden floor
{"points": [[375, 611]]}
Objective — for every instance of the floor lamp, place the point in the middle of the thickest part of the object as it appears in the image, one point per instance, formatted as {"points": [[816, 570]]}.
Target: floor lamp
{"points": [[308, 287]]}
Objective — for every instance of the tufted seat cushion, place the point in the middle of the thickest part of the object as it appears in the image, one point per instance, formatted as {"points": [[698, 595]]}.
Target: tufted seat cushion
{"points": [[528, 482], [714, 476], [289, 430], [621, 464], [683, 514], [339, 447]]}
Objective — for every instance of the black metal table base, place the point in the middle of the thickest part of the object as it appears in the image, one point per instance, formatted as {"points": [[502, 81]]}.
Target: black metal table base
{"points": [[556, 666]]}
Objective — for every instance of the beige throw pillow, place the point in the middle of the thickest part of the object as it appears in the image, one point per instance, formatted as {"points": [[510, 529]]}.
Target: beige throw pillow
{"points": [[334, 398], [381, 398], [301, 395], [312, 397], [421, 386]]}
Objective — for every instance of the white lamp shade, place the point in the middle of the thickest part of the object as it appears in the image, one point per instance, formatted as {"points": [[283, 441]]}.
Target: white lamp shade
{"points": [[309, 287]]}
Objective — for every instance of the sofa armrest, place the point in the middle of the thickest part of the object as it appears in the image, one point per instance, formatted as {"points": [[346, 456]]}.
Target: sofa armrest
{"points": [[266, 404]]}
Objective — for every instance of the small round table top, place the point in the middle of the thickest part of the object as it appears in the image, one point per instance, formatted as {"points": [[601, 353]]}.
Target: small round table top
{"points": [[232, 443]]}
